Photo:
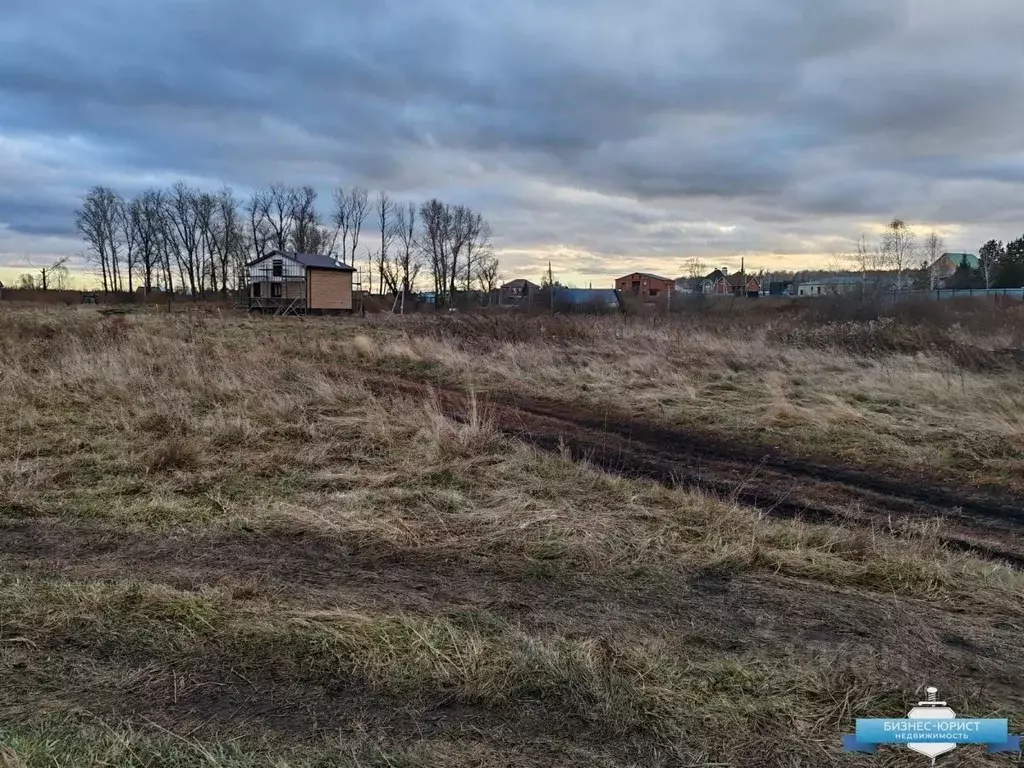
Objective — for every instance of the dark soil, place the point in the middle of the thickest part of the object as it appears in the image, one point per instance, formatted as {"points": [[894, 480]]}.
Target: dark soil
{"points": [[304, 572]]}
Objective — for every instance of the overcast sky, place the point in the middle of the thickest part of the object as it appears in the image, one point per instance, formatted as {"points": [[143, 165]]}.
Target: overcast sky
{"points": [[607, 136]]}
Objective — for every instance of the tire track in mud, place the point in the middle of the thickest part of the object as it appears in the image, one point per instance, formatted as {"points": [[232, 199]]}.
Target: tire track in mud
{"points": [[984, 523]]}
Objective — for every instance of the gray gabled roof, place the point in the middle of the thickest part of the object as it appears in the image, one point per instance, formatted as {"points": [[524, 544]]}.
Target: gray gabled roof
{"points": [[320, 261], [310, 260]]}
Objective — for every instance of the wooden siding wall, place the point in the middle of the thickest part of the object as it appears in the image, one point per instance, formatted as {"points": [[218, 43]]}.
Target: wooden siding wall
{"points": [[329, 289]]}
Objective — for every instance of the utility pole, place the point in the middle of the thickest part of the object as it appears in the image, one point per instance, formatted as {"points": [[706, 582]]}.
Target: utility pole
{"points": [[551, 288]]}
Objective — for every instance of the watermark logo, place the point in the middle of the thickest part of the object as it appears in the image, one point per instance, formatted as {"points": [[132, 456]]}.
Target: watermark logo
{"points": [[931, 729]]}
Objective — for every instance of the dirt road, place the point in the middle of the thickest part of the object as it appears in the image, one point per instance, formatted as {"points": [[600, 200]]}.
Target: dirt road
{"points": [[987, 523]]}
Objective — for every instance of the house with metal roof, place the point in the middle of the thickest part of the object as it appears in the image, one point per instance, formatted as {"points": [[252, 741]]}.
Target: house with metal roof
{"points": [[291, 283], [944, 267]]}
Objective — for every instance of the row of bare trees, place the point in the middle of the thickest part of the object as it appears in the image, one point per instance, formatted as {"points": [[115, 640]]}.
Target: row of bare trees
{"points": [[457, 244], [177, 239], [186, 239]]}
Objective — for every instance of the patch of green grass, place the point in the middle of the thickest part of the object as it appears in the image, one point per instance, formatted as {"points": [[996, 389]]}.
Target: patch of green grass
{"points": [[67, 742], [626, 689]]}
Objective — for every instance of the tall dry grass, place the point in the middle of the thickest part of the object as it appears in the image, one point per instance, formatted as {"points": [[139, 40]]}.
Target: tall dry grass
{"points": [[893, 392], [563, 613]]}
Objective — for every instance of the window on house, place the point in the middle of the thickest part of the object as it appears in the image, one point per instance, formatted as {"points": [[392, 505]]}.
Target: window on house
{"points": [[653, 292], [256, 292], [278, 267], [275, 290]]}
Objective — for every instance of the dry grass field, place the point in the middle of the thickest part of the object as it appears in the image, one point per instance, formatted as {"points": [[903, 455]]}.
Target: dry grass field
{"points": [[503, 541]]}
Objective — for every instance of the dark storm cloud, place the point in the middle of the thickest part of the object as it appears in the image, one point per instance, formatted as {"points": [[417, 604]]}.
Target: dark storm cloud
{"points": [[595, 131]]}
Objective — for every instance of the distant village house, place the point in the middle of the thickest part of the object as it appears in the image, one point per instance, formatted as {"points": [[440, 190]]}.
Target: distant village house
{"points": [[516, 292], [720, 283], [645, 285], [829, 286], [942, 270]]}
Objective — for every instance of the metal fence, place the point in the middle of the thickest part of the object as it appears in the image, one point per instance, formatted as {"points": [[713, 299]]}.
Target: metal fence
{"points": [[943, 294]]}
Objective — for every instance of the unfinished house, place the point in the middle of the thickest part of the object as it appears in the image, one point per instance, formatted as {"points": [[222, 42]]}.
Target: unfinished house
{"points": [[289, 283]]}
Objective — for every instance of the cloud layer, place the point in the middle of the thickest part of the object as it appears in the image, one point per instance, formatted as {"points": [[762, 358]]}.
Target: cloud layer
{"points": [[602, 136]]}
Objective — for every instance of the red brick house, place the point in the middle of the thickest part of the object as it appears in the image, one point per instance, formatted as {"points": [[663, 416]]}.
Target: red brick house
{"points": [[645, 285], [516, 292], [744, 285], [720, 283]]}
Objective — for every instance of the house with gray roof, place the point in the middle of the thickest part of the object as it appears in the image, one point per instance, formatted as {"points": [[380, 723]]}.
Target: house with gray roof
{"points": [[291, 283]]}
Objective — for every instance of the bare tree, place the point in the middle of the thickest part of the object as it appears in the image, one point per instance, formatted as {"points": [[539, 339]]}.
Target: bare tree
{"points": [[259, 227], [229, 238], [386, 220], [990, 255], [866, 258], [280, 206], [145, 215], [488, 274], [206, 217], [306, 222], [61, 277], [408, 258], [459, 233], [185, 232], [446, 232], [117, 241], [898, 248], [369, 271], [130, 233], [933, 249], [168, 244], [222, 237], [478, 246], [435, 219], [694, 268], [838, 262], [350, 210], [53, 276], [320, 240], [98, 222]]}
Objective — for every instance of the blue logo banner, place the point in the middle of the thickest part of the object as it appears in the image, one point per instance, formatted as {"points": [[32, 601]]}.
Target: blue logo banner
{"points": [[871, 732]]}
